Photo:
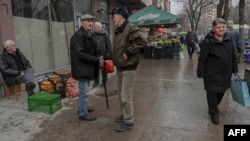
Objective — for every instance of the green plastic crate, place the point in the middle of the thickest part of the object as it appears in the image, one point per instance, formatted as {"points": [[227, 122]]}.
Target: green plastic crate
{"points": [[45, 102]]}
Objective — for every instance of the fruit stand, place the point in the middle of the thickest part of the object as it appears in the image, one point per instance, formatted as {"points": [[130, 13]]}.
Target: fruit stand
{"points": [[160, 48]]}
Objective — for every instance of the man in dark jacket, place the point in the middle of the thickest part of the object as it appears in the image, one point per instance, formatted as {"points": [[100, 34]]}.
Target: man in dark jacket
{"points": [[191, 39], [16, 68], [84, 63], [236, 38], [128, 41], [103, 48]]}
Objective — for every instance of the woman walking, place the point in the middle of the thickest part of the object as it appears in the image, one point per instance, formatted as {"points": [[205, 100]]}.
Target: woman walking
{"points": [[217, 62]]}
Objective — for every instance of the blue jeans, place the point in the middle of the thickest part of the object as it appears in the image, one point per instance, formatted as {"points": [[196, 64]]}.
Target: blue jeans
{"points": [[83, 97]]}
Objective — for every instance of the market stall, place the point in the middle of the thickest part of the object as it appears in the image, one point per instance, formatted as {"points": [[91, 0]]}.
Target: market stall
{"points": [[154, 17], [160, 44]]}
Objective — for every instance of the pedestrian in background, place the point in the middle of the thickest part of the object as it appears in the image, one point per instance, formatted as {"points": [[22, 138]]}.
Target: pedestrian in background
{"points": [[128, 41], [16, 68], [217, 62], [182, 39], [191, 40], [236, 38], [103, 49], [84, 63]]}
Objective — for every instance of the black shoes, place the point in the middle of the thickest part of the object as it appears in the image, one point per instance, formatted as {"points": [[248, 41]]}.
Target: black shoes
{"points": [[215, 118], [30, 86], [30, 93], [90, 109], [89, 117], [119, 119], [124, 127]]}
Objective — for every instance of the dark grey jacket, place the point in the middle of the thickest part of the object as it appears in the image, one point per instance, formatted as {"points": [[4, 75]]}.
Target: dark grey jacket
{"points": [[9, 67], [191, 38], [217, 62], [235, 35], [103, 44], [84, 60]]}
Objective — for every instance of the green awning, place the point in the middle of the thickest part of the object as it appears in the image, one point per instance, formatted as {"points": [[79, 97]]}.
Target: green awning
{"points": [[182, 33], [151, 15]]}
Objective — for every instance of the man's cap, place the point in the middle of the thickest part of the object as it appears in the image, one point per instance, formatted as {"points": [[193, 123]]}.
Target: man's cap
{"points": [[87, 17], [121, 10]]}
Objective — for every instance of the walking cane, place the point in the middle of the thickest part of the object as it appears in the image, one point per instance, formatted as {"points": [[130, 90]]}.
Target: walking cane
{"points": [[104, 85]]}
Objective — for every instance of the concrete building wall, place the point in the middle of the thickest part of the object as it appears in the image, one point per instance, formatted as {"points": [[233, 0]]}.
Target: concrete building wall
{"points": [[60, 44], [32, 38]]}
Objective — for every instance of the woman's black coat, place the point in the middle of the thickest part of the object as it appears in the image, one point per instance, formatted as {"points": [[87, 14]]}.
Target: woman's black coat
{"points": [[217, 62]]}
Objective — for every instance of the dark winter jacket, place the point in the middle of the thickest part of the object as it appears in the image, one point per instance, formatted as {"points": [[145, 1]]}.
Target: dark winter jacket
{"points": [[103, 44], [128, 39], [191, 38], [235, 35], [9, 67], [217, 62], [84, 60]]}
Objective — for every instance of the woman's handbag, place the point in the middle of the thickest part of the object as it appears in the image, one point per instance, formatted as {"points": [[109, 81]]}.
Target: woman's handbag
{"points": [[240, 92], [109, 66]]}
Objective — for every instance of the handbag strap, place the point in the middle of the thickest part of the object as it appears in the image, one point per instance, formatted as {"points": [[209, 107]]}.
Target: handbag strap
{"points": [[237, 77]]}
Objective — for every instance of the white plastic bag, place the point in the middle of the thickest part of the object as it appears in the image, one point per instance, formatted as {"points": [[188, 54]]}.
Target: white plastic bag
{"points": [[198, 49]]}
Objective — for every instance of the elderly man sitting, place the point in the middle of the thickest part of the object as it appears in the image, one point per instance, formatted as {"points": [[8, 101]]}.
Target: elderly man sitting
{"points": [[16, 68]]}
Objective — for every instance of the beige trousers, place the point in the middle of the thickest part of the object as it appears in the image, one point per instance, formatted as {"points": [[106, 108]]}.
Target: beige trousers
{"points": [[126, 90]]}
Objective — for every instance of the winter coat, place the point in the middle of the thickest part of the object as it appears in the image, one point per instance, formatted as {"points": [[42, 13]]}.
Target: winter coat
{"points": [[235, 36], [128, 40], [84, 60], [103, 44], [217, 62], [191, 38], [182, 39], [9, 67]]}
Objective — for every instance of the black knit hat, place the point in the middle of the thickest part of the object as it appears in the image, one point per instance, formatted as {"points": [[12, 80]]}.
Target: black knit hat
{"points": [[121, 10]]}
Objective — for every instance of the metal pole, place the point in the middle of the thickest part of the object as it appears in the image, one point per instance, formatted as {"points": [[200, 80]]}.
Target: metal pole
{"points": [[51, 37], [74, 12]]}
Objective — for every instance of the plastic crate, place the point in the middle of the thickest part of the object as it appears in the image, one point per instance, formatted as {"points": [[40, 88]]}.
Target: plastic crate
{"points": [[45, 102]]}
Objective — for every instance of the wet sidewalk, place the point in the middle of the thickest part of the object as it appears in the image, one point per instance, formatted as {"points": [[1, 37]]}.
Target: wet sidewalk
{"points": [[169, 105]]}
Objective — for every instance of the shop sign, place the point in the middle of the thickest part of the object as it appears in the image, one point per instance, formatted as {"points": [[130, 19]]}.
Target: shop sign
{"points": [[149, 16]]}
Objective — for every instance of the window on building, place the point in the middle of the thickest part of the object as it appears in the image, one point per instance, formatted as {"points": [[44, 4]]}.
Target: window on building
{"points": [[61, 10]]}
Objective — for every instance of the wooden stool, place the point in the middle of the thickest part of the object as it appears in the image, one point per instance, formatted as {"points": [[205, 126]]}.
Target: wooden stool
{"points": [[14, 90]]}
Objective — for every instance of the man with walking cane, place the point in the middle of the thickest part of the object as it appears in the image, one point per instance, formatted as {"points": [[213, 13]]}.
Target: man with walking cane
{"points": [[128, 41]]}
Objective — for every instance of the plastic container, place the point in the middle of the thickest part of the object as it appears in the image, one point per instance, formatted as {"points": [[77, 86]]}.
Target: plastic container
{"points": [[44, 102]]}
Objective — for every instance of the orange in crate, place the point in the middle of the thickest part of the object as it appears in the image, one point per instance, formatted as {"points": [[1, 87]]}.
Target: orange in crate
{"points": [[54, 78], [47, 86]]}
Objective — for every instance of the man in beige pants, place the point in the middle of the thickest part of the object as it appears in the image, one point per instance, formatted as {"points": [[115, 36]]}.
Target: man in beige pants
{"points": [[128, 40]]}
